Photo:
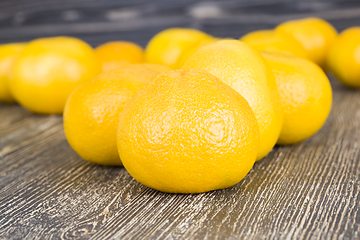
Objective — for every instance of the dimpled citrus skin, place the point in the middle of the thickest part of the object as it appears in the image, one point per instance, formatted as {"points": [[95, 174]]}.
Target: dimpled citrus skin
{"points": [[92, 110], [167, 46], [47, 71], [8, 53], [187, 132], [305, 93], [344, 57], [314, 34], [245, 70], [116, 53], [269, 40]]}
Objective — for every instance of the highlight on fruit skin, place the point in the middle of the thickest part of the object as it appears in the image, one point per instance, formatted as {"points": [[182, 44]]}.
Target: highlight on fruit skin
{"points": [[344, 57], [191, 49], [244, 69], [114, 54], [8, 53], [48, 69], [187, 132], [305, 94], [167, 46], [272, 41], [314, 34], [92, 112]]}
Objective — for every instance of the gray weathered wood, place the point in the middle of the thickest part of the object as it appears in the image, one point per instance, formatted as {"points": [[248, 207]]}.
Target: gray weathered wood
{"points": [[309, 190]]}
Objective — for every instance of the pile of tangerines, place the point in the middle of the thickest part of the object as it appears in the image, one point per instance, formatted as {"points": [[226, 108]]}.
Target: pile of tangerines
{"points": [[191, 113]]}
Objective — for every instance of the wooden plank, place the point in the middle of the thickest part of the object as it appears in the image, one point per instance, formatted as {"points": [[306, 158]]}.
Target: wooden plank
{"points": [[308, 190], [97, 22]]}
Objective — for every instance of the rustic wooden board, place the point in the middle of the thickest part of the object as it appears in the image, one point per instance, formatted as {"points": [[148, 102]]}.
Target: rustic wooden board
{"points": [[307, 191]]}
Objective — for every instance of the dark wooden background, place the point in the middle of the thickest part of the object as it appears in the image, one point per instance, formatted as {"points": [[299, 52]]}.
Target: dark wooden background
{"points": [[307, 191]]}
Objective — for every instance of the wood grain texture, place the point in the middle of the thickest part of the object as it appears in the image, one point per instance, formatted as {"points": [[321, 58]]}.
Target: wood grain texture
{"points": [[309, 190]]}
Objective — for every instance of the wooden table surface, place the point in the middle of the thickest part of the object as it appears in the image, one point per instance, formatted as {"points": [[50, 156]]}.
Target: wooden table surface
{"points": [[309, 190]]}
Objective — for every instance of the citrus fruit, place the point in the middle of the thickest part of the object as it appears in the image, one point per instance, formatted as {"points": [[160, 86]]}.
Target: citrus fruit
{"points": [[269, 40], [245, 70], [344, 57], [156, 67], [112, 65], [8, 52], [167, 46], [115, 54], [314, 34], [187, 132], [305, 94], [47, 71], [92, 110], [187, 52], [152, 66]]}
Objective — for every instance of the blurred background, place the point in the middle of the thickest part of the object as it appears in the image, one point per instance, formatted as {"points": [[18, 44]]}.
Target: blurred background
{"points": [[99, 21]]}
